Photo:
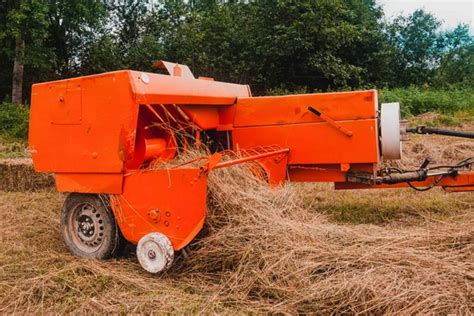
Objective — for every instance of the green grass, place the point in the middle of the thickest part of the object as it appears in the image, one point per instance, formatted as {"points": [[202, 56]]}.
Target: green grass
{"points": [[364, 211], [14, 121], [415, 101], [381, 207], [13, 149], [456, 119]]}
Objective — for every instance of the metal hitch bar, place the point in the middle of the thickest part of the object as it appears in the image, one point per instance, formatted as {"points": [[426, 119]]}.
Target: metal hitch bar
{"points": [[392, 175], [438, 131]]}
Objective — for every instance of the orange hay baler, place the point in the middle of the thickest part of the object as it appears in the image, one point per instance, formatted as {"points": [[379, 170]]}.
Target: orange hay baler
{"points": [[113, 140]]}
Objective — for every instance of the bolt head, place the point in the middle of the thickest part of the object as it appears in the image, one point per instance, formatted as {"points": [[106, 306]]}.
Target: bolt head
{"points": [[151, 254]]}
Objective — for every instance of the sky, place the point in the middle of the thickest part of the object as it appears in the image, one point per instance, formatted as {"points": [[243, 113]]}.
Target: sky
{"points": [[451, 12]]}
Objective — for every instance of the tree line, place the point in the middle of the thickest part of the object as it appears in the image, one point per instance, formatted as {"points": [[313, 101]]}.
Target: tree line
{"points": [[296, 45]]}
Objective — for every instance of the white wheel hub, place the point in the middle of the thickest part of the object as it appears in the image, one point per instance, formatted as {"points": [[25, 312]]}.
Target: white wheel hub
{"points": [[390, 131], [155, 252]]}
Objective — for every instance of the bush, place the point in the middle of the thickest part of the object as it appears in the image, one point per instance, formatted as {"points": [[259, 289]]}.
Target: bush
{"points": [[414, 101], [14, 121]]}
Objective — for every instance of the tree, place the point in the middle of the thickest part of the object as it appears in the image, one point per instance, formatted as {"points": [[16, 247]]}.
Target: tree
{"points": [[26, 26], [457, 58], [318, 44], [416, 40], [302, 45], [45, 39], [73, 28], [272, 43]]}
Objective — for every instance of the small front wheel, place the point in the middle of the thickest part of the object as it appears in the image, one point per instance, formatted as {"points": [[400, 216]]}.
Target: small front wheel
{"points": [[155, 252], [88, 226]]}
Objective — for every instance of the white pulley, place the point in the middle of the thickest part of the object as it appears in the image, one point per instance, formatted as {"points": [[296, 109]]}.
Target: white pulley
{"points": [[155, 252], [390, 131]]}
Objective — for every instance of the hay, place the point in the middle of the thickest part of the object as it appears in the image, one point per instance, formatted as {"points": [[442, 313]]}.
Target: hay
{"points": [[440, 150], [262, 250], [19, 175], [266, 247]]}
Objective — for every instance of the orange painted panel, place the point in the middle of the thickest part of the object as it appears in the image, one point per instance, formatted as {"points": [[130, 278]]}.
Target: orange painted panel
{"points": [[89, 182], [67, 105], [326, 173], [95, 131], [308, 175], [292, 109], [177, 198], [464, 188], [315, 143], [204, 116], [163, 89], [88, 124]]}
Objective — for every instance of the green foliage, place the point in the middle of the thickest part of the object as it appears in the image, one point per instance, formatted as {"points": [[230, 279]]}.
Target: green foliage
{"points": [[284, 91], [13, 148], [102, 56], [27, 22], [74, 25], [29, 19], [414, 100], [56, 35], [415, 39], [457, 60], [422, 54], [272, 45], [14, 121]]}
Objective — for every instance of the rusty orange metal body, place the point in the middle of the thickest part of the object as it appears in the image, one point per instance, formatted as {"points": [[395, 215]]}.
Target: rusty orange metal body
{"points": [[99, 134]]}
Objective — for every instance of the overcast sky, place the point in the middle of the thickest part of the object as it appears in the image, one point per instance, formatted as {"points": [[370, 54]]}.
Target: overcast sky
{"points": [[452, 12]]}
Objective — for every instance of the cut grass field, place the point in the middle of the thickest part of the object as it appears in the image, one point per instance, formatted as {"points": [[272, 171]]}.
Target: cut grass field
{"points": [[301, 262], [296, 249]]}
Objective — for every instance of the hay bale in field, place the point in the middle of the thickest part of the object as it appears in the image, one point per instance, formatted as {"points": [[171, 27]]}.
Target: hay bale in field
{"points": [[19, 175]]}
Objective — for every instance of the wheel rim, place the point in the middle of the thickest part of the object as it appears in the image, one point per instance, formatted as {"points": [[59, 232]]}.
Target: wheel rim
{"points": [[155, 252], [86, 227]]}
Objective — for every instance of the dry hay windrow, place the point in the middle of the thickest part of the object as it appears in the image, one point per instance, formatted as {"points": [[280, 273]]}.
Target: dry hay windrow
{"points": [[263, 249], [439, 150], [19, 175], [269, 247]]}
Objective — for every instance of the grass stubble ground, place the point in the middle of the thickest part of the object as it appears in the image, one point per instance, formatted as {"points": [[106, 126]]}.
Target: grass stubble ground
{"points": [[301, 248]]}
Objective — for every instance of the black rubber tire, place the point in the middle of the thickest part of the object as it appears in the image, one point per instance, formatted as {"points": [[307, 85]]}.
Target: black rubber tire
{"points": [[110, 237]]}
